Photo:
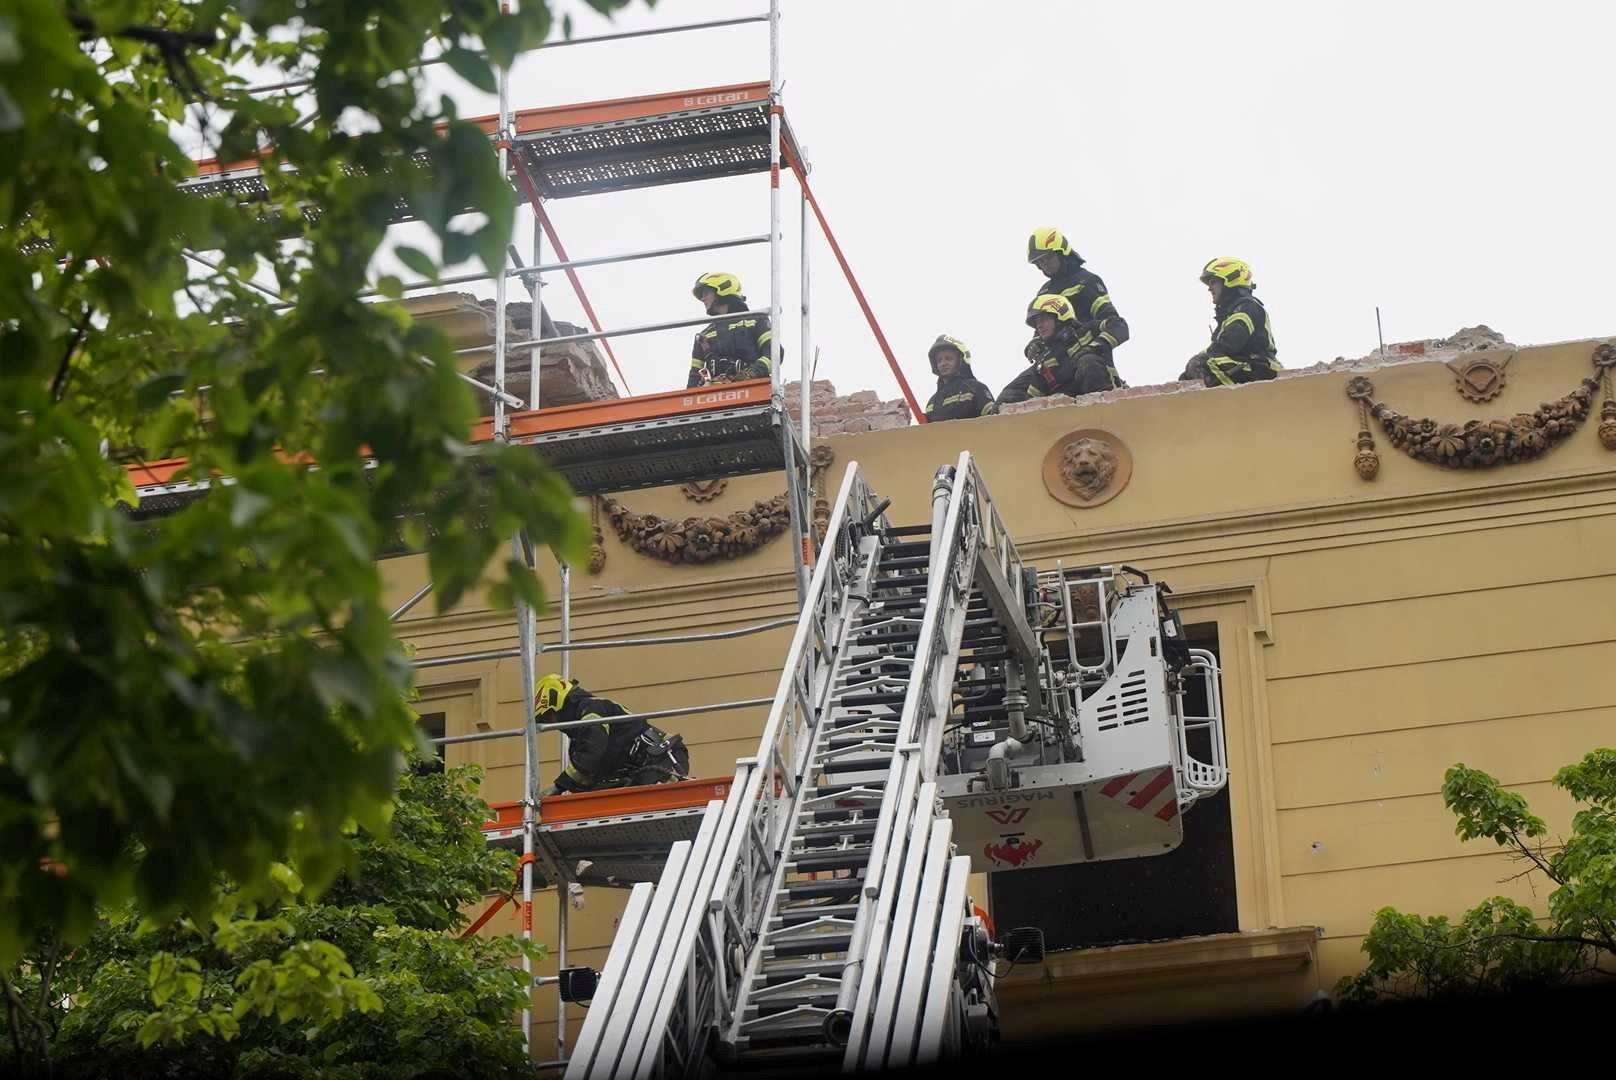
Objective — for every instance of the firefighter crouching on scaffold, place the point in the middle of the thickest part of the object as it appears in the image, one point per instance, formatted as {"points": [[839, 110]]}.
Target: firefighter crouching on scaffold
{"points": [[606, 755]]}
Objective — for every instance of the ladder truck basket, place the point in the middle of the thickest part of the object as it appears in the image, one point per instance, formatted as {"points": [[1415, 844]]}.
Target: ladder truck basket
{"points": [[1198, 777]]}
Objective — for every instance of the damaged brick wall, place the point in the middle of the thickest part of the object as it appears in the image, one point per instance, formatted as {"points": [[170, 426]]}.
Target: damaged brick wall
{"points": [[834, 414]]}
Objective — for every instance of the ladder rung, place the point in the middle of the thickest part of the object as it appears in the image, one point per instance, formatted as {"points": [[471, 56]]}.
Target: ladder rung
{"points": [[803, 890], [908, 530], [814, 999], [834, 859], [778, 971], [871, 699], [797, 916], [855, 765], [902, 581], [817, 945]]}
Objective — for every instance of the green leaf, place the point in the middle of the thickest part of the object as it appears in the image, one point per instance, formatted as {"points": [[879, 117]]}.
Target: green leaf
{"points": [[418, 261], [471, 67], [390, 286], [504, 38], [156, 391]]}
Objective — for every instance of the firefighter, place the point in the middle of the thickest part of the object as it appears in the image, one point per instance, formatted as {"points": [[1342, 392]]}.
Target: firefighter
{"points": [[1064, 354], [960, 394], [1050, 251], [731, 347], [629, 754], [1242, 348]]}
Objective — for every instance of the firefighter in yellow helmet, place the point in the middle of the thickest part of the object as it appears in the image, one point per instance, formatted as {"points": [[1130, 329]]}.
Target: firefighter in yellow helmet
{"points": [[606, 755], [1065, 359], [733, 346], [1050, 251], [1242, 348], [960, 394]]}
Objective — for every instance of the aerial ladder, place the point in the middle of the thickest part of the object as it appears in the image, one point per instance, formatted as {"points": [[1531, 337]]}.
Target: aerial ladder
{"points": [[943, 708]]}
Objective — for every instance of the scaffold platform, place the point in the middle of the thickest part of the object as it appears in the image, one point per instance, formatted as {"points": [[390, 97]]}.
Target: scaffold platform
{"points": [[583, 149], [613, 838], [617, 444], [656, 440]]}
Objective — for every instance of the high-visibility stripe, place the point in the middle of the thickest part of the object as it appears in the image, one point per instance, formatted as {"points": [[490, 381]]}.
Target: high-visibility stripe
{"points": [[1114, 787], [1251, 327], [1217, 364], [1151, 790], [1099, 302]]}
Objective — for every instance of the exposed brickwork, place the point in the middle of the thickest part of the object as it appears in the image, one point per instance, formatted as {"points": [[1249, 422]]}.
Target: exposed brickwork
{"points": [[862, 410]]}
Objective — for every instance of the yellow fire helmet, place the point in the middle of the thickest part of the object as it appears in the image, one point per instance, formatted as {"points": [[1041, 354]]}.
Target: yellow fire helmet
{"points": [[1047, 242], [945, 342], [550, 693], [1232, 272], [1051, 304], [721, 283]]}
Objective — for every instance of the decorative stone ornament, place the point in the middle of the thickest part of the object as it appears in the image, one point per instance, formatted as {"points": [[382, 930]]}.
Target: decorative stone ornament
{"points": [[1087, 468], [704, 490], [1481, 444], [1480, 379], [701, 540]]}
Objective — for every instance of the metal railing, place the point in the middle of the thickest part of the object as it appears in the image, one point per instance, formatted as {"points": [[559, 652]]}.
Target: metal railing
{"points": [[970, 527], [720, 888]]}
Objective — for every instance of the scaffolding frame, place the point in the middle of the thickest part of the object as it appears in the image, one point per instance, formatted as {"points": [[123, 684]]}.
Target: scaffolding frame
{"points": [[794, 454], [517, 136]]}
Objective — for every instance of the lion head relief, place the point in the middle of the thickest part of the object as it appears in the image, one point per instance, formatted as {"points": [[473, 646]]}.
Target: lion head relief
{"points": [[1087, 466]]}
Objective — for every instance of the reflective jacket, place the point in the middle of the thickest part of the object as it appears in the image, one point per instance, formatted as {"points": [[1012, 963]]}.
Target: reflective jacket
{"points": [[1086, 292], [731, 347], [1072, 363], [961, 396], [1243, 348], [595, 751]]}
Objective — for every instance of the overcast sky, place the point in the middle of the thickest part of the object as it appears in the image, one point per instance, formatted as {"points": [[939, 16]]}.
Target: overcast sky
{"points": [[1451, 162]]}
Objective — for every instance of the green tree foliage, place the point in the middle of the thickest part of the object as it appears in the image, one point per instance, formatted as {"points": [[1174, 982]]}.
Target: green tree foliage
{"points": [[1499, 946], [221, 688], [369, 980]]}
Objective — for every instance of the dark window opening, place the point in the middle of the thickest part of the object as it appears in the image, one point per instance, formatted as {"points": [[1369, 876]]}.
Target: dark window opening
{"points": [[434, 726], [1187, 892]]}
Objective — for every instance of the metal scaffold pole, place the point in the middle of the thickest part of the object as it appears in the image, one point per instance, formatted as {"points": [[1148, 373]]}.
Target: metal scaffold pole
{"points": [[530, 757], [804, 358], [536, 313], [796, 472], [530, 775], [562, 897]]}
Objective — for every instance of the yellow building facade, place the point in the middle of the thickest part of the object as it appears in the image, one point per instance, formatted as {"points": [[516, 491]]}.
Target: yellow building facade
{"points": [[1372, 632]]}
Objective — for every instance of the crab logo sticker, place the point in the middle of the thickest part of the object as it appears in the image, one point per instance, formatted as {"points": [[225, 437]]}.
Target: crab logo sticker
{"points": [[1011, 850]]}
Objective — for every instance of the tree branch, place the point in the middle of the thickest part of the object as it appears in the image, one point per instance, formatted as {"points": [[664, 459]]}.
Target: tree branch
{"points": [[11, 1021], [59, 383], [47, 974], [1530, 854], [168, 42]]}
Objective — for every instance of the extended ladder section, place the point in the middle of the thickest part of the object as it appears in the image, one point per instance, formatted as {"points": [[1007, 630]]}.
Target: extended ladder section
{"points": [[818, 920]]}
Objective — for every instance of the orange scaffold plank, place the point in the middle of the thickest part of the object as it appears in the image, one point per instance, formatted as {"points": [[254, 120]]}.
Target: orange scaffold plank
{"points": [[613, 802], [608, 411], [562, 418], [553, 117]]}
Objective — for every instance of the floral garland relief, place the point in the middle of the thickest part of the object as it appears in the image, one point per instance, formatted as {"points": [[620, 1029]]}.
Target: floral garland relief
{"points": [[1480, 444], [700, 540]]}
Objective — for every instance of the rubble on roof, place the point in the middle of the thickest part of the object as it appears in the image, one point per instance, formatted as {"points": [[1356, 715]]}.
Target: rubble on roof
{"points": [[1467, 340], [834, 414]]}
